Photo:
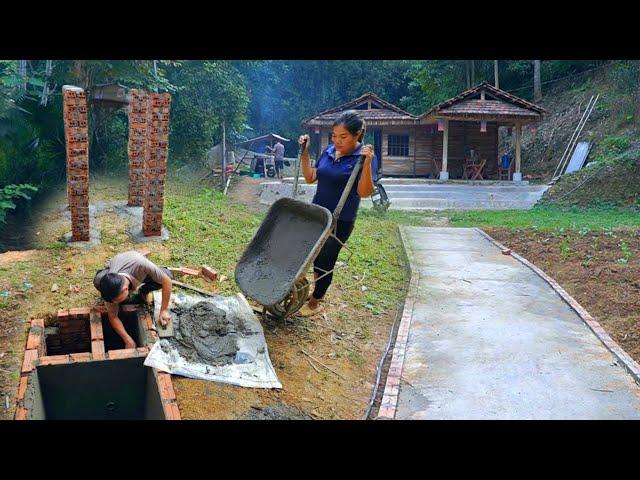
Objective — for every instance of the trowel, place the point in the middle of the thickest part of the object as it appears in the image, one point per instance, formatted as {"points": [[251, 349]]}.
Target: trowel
{"points": [[167, 330]]}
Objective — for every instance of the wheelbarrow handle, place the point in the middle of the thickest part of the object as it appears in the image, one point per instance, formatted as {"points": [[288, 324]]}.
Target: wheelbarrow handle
{"points": [[347, 189], [295, 179]]}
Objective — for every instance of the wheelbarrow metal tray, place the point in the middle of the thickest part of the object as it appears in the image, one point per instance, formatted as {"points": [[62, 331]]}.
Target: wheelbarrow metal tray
{"points": [[281, 251]]}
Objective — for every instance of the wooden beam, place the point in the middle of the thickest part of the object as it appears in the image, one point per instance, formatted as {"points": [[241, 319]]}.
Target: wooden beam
{"points": [[415, 134], [444, 174]]}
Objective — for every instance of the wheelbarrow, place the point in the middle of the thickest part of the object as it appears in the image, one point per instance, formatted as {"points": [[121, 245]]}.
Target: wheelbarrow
{"points": [[273, 268]]}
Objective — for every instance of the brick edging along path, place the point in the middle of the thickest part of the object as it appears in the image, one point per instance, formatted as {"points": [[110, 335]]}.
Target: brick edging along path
{"points": [[629, 363], [389, 402]]}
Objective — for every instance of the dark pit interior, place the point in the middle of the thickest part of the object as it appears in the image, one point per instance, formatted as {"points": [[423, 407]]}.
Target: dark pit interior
{"points": [[112, 340], [104, 390], [74, 334], [68, 336]]}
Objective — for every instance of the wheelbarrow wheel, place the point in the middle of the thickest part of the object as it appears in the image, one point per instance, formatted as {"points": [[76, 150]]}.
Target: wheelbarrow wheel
{"points": [[293, 302]]}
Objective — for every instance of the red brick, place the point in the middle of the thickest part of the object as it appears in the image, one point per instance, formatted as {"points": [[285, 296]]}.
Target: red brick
{"points": [[63, 314], [21, 413], [95, 324], [37, 322], [123, 353], [33, 341], [142, 351], [209, 273], [55, 360], [386, 413], [97, 350], [166, 386], [22, 389], [83, 311], [80, 357], [30, 356], [171, 411]]}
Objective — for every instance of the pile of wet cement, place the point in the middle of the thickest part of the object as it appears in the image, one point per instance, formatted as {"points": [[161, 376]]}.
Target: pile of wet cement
{"points": [[205, 334]]}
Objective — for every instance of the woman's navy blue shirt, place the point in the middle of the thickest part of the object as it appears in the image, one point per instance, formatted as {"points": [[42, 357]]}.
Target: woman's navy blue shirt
{"points": [[333, 175]]}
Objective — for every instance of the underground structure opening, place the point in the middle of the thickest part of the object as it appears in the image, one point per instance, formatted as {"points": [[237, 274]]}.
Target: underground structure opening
{"points": [[104, 390], [131, 323]]}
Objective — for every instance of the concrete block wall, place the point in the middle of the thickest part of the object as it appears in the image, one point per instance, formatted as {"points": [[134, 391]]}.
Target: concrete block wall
{"points": [[156, 166], [137, 146], [77, 149]]}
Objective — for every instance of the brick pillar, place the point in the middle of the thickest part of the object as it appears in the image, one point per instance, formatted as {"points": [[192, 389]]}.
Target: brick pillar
{"points": [[137, 148], [76, 137], [156, 167]]}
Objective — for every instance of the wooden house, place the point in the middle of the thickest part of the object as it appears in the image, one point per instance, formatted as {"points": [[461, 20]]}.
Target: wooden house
{"points": [[390, 129], [437, 144]]}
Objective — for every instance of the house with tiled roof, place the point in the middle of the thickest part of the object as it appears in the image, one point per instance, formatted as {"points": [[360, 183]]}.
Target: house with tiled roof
{"points": [[440, 142]]}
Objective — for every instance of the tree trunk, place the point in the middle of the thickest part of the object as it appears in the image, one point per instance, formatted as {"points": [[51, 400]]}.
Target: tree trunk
{"points": [[473, 72], [537, 87], [495, 73], [467, 70]]}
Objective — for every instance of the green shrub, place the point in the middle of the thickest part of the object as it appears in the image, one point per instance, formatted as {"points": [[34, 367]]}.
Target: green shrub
{"points": [[11, 192]]}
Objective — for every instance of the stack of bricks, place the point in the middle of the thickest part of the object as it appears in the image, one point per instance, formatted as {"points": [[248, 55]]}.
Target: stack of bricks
{"points": [[156, 167], [37, 352], [76, 136], [137, 148]]}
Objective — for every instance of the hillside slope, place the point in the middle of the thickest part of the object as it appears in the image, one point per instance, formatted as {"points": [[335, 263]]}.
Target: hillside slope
{"points": [[612, 174]]}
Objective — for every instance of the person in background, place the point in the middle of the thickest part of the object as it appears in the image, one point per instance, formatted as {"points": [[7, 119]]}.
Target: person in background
{"points": [[332, 171], [125, 273], [278, 151]]}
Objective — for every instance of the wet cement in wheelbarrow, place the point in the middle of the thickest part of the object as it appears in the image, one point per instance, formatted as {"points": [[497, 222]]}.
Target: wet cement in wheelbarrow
{"points": [[206, 334], [285, 242]]}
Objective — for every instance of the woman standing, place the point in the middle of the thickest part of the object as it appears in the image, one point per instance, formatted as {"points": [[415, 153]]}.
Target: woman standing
{"points": [[332, 172]]}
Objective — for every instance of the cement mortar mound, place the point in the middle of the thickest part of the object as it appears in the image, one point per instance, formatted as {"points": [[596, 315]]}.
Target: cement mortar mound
{"points": [[206, 334]]}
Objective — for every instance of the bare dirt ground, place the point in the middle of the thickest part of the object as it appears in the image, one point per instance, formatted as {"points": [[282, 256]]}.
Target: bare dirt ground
{"points": [[601, 270], [327, 364], [348, 340]]}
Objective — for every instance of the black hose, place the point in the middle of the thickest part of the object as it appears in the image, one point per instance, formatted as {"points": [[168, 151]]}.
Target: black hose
{"points": [[384, 356]]}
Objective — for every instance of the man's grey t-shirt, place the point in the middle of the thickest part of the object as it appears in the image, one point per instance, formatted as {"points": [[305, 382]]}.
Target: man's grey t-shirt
{"points": [[135, 266], [278, 151]]}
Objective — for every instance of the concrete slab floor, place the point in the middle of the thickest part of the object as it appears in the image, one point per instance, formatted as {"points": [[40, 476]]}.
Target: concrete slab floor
{"points": [[490, 339]]}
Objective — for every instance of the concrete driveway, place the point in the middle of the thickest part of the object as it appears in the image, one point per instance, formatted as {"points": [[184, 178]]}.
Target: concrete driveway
{"points": [[485, 337], [420, 194]]}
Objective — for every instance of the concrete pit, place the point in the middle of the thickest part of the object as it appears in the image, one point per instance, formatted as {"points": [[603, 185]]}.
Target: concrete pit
{"points": [[106, 390], [76, 368]]}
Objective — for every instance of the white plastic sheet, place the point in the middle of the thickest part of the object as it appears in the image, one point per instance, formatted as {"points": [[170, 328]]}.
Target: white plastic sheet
{"points": [[252, 368]]}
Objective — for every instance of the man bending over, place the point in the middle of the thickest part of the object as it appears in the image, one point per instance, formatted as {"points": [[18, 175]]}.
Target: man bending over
{"points": [[125, 273]]}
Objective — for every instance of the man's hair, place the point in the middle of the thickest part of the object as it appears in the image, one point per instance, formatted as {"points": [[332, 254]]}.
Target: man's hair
{"points": [[111, 286]]}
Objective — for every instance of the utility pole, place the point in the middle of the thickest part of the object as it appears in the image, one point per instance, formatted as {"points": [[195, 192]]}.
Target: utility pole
{"points": [[495, 73], [224, 155]]}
